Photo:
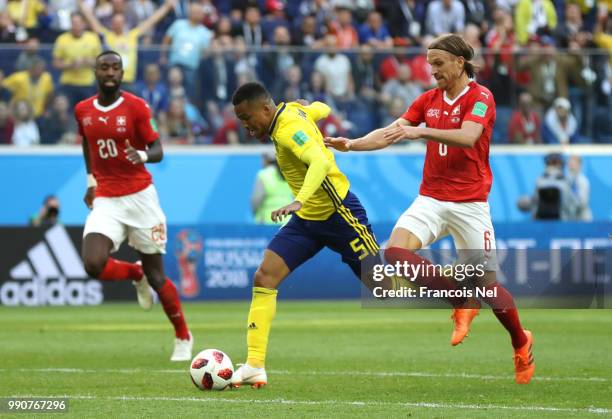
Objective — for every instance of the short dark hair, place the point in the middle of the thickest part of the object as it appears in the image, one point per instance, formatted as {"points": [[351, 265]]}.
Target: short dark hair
{"points": [[109, 52], [456, 45], [250, 91]]}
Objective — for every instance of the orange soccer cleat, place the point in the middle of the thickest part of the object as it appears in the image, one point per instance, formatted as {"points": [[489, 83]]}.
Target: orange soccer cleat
{"points": [[524, 364], [462, 317]]}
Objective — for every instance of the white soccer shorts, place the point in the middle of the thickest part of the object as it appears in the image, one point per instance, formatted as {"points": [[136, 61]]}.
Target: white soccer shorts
{"points": [[137, 217], [468, 223]]}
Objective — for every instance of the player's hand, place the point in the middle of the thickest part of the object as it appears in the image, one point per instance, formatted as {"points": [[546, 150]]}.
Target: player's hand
{"points": [[399, 132], [132, 154], [90, 195], [339, 143], [281, 213]]}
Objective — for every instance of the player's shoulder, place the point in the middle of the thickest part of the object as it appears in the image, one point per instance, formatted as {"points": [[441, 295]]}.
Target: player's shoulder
{"points": [[431, 94], [478, 91], [135, 102], [64, 37], [293, 115], [84, 105], [132, 98]]}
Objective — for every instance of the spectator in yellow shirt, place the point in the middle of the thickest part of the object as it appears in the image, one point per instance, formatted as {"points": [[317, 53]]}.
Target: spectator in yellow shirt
{"points": [[74, 53], [124, 41], [603, 32], [25, 12], [35, 86]]}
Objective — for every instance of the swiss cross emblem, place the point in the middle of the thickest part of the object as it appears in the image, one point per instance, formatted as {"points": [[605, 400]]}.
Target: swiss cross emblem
{"points": [[87, 121], [457, 110], [121, 121]]}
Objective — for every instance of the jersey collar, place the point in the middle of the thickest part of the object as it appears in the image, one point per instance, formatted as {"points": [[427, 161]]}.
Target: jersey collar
{"points": [[280, 109], [464, 91], [109, 107]]}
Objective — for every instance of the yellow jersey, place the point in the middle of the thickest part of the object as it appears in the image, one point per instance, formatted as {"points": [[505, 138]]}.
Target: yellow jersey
{"points": [[126, 45], [16, 12], [69, 48], [293, 131], [37, 94]]}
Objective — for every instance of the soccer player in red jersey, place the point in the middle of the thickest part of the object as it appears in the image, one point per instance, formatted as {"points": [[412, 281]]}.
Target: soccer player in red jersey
{"points": [[119, 136], [459, 115]]}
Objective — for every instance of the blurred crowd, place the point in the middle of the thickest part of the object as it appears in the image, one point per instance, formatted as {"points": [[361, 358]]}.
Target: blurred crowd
{"points": [[547, 62]]}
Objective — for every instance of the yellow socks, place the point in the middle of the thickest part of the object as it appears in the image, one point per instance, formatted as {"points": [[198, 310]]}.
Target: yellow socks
{"points": [[263, 309]]}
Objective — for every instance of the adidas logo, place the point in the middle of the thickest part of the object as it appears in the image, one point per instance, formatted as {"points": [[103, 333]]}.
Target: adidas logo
{"points": [[48, 275], [253, 326]]}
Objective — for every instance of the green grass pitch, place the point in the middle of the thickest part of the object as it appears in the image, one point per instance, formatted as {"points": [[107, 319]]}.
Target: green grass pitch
{"points": [[325, 359]]}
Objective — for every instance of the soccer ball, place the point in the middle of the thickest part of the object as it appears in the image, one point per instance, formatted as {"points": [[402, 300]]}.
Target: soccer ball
{"points": [[211, 369]]}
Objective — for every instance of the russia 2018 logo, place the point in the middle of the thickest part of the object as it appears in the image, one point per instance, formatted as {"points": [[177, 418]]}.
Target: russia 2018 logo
{"points": [[189, 249]]}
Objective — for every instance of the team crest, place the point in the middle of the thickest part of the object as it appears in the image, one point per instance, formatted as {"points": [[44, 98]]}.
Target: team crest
{"points": [[121, 121]]}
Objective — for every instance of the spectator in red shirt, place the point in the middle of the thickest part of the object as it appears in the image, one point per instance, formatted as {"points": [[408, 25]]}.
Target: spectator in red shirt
{"points": [[421, 70], [229, 131], [524, 126], [344, 30], [389, 66], [6, 124]]}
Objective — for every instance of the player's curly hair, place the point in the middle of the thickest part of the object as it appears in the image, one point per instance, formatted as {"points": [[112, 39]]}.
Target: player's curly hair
{"points": [[250, 91], [456, 45]]}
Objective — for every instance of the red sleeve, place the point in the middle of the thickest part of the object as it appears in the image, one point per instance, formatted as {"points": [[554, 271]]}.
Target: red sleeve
{"points": [[146, 126], [78, 121], [416, 112], [481, 108]]}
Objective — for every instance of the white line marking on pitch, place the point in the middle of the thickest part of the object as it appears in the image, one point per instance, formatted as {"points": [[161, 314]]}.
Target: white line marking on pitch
{"points": [[314, 373], [431, 405]]}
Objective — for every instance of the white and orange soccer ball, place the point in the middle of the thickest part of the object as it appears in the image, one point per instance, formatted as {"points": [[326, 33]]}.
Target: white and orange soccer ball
{"points": [[211, 369]]}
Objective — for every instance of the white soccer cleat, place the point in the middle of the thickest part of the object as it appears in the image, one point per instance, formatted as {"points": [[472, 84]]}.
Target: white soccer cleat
{"points": [[245, 374], [143, 291], [182, 349]]}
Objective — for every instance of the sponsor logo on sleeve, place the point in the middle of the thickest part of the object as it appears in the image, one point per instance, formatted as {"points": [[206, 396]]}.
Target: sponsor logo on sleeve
{"points": [[480, 109], [153, 124], [300, 138]]}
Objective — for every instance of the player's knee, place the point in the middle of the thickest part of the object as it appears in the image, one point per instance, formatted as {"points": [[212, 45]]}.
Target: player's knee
{"points": [[94, 265], [156, 279], [265, 279]]}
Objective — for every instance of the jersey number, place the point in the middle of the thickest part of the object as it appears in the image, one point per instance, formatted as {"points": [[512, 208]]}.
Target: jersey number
{"points": [[107, 148], [359, 248], [443, 149], [487, 241]]}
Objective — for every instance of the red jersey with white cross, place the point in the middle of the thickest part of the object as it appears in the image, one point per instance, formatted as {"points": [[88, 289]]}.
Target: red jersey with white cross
{"points": [[453, 173], [106, 129]]}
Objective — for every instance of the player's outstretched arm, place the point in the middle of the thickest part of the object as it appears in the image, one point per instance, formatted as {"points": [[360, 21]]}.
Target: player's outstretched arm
{"points": [[375, 140], [148, 24], [91, 18], [466, 136], [318, 168]]}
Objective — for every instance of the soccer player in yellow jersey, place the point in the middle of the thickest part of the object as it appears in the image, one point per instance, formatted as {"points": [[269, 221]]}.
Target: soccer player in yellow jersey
{"points": [[324, 213]]}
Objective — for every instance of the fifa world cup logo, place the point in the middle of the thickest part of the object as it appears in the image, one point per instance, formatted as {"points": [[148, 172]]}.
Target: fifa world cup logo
{"points": [[189, 247]]}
